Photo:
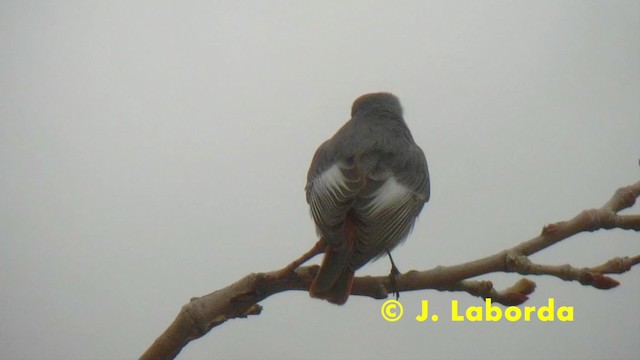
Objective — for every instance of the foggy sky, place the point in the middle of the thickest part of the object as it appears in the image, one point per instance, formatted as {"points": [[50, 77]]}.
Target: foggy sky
{"points": [[155, 151]]}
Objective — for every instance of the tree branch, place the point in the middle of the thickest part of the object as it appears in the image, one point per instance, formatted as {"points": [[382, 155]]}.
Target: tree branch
{"points": [[241, 298]]}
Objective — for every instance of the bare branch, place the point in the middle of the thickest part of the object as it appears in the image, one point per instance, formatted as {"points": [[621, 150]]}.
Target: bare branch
{"points": [[241, 298], [513, 295]]}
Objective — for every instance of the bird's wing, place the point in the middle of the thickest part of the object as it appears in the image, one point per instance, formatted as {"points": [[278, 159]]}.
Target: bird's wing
{"points": [[332, 185], [387, 208]]}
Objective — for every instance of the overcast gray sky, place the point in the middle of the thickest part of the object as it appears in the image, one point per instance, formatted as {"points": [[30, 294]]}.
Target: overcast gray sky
{"points": [[154, 151]]}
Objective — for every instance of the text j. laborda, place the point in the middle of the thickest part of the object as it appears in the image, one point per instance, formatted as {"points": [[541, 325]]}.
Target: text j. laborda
{"points": [[392, 311]]}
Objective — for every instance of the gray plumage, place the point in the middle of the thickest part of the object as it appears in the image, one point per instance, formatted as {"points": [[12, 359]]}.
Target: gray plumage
{"points": [[371, 179]]}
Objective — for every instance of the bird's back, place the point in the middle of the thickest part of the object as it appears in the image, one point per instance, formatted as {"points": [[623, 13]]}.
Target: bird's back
{"points": [[365, 187]]}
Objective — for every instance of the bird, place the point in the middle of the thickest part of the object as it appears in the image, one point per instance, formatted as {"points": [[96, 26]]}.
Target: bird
{"points": [[365, 188]]}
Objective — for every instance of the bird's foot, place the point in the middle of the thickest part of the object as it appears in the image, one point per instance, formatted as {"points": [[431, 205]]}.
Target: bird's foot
{"points": [[392, 276]]}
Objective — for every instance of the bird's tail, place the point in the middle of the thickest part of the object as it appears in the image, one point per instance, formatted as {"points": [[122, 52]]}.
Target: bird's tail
{"points": [[335, 278]]}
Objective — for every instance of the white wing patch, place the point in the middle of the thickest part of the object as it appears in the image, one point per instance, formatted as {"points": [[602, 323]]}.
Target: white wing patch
{"points": [[330, 181], [390, 195]]}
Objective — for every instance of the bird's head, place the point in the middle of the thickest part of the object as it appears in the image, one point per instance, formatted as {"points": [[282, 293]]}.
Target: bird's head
{"points": [[378, 102]]}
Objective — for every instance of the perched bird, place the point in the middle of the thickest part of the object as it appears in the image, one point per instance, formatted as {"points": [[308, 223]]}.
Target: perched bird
{"points": [[366, 186]]}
